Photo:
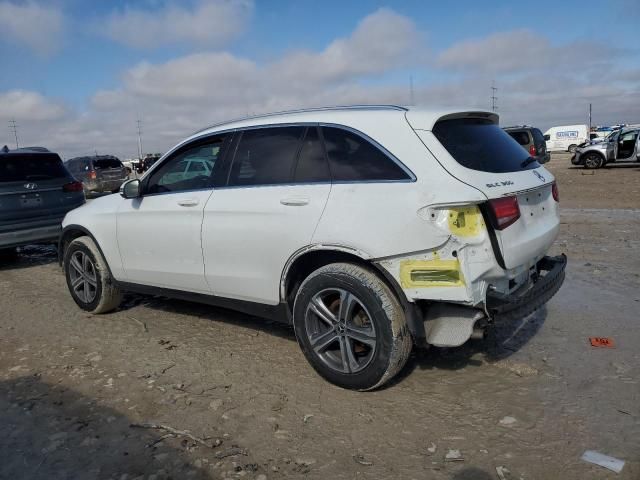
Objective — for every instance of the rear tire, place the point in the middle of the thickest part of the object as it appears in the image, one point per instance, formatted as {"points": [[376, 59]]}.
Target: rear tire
{"points": [[593, 160], [351, 327], [88, 277]]}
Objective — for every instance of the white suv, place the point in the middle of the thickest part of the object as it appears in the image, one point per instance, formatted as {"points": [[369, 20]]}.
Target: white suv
{"points": [[369, 228]]}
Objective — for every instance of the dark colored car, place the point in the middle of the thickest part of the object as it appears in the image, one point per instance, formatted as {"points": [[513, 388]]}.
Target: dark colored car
{"points": [[36, 192], [532, 140], [147, 162], [100, 173]]}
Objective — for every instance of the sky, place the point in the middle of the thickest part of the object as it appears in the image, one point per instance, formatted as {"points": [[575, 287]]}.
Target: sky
{"points": [[76, 76]]}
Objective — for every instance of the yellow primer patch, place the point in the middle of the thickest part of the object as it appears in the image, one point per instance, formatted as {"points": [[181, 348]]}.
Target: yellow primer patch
{"points": [[430, 273], [465, 221]]}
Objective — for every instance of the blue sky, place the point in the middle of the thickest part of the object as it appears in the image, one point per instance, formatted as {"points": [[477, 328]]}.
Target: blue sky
{"points": [[71, 67]]}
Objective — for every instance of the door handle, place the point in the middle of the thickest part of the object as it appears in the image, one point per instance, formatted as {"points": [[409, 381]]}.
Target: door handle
{"points": [[295, 201], [188, 202]]}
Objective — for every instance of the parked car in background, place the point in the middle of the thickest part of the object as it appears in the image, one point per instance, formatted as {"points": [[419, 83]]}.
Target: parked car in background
{"points": [[532, 141], [36, 192], [100, 173], [368, 228], [620, 146], [147, 162], [566, 138]]}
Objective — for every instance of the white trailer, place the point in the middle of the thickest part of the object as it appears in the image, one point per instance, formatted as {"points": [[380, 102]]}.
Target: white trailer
{"points": [[566, 137]]}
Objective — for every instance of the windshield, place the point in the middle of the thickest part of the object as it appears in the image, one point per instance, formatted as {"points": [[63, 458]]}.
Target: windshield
{"points": [[480, 144], [31, 166]]}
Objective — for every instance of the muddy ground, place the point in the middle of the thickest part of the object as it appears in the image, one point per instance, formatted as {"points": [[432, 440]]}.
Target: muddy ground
{"points": [[532, 398]]}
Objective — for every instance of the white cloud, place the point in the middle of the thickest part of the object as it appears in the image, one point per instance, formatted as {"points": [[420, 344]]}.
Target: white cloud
{"points": [[29, 106], [209, 22], [38, 27], [518, 51]]}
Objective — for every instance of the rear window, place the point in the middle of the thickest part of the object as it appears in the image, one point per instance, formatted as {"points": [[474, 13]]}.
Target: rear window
{"points": [[521, 137], [34, 166], [479, 144], [102, 163], [538, 138]]}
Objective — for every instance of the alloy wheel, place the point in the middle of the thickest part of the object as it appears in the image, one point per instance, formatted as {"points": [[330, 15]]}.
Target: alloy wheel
{"points": [[82, 274], [340, 330]]}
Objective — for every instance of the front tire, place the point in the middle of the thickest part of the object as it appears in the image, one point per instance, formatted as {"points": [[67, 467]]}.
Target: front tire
{"points": [[88, 277], [593, 160], [351, 327], [572, 148]]}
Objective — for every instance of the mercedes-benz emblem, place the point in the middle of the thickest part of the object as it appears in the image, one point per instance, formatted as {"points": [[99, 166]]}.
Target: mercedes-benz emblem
{"points": [[539, 176], [30, 186]]}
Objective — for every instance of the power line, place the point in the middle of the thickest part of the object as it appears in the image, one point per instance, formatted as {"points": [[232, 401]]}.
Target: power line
{"points": [[494, 99], [14, 127]]}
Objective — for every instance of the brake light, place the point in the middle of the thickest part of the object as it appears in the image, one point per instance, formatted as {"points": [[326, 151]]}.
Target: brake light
{"points": [[92, 175], [72, 187], [532, 151], [505, 211], [555, 192]]}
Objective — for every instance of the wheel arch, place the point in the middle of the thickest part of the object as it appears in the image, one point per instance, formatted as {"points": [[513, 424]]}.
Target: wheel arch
{"points": [[312, 257], [69, 234]]}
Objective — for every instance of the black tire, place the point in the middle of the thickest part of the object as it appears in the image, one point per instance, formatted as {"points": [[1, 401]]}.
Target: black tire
{"points": [[373, 314], [572, 148], [95, 290], [593, 160]]}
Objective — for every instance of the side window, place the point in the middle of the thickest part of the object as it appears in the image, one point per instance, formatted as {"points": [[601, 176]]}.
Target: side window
{"points": [[180, 173], [353, 158], [266, 156], [312, 164]]}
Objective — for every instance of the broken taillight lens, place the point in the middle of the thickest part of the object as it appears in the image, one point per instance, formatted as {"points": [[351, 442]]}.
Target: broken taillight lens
{"points": [[555, 192], [72, 187], [506, 211]]}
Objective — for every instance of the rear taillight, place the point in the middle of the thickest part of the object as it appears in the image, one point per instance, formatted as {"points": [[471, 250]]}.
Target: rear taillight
{"points": [[555, 192], [532, 151], [505, 211], [92, 175], [72, 187]]}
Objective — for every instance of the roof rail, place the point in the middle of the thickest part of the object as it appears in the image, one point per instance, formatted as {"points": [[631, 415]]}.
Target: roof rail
{"points": [[305, 110]]}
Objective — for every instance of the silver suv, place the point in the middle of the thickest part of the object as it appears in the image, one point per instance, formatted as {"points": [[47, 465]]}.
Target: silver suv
{"points": [[621, 145]]}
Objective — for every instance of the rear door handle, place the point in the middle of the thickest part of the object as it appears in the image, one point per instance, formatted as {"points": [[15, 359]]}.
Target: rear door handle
{"points": [[188, 202], [295, 201]]}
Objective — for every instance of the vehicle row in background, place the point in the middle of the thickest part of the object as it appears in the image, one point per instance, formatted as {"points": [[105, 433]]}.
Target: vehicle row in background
{"points": [[532, 141], [99, 173], [620, 145], [566, 138], [36, 192]]}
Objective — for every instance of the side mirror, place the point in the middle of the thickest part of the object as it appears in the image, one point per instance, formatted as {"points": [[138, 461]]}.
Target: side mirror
{"points": [[547, 137], [130, 189]]}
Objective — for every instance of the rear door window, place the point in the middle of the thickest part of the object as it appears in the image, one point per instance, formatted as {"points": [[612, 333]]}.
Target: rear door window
{"points": [[538, 137], [479, 144], [352, 158], [266, 156], [312, 164], [28, 167]]}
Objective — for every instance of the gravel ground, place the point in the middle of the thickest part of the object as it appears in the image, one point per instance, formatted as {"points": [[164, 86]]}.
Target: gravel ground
{"points": [[233, 396]]}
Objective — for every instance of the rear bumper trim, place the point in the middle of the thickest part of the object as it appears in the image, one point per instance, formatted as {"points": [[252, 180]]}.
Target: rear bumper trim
{"points": [[30, 235], [551, 272]]}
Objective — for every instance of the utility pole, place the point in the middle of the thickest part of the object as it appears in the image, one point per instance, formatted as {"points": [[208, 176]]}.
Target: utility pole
{"points": [[13, 127], [139, 122], [494, 99]]}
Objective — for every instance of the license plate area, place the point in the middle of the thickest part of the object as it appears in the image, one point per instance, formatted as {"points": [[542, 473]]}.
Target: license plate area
{"points": [[30, 201]]}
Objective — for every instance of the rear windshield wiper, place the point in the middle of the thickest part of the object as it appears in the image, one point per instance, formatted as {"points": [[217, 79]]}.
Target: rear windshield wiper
{"points": [[527, 162]]}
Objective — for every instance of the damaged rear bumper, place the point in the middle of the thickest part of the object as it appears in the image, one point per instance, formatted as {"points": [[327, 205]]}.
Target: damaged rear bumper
{"points": [[520, 304]]}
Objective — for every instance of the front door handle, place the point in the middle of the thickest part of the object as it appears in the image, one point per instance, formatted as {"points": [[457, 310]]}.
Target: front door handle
{"points": [[188, 202], [295, 201]]}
